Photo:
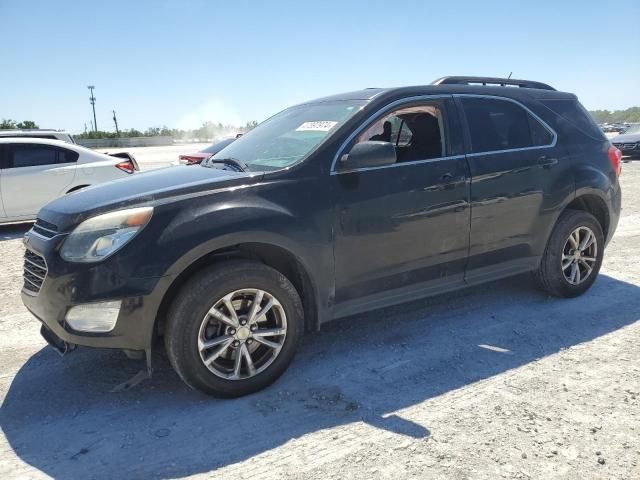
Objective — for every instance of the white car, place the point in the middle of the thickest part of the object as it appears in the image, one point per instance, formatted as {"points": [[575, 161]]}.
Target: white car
{"points": [[39, 133], [35, 171]]}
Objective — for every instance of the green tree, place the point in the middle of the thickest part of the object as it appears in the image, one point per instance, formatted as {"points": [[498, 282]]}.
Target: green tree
{"points": [[152, 132], [7, 124], [631, 115], [250, 125], [27, 124]]}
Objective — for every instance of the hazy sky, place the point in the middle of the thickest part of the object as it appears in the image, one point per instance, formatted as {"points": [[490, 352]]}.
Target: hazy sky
{"points": [[179, 63]]}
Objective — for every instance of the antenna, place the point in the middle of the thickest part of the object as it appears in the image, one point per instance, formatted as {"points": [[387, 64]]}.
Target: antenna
{"points": [[509, 75]]}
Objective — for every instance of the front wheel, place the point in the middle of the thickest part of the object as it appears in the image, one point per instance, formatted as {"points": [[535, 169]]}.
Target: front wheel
{"points": [[234, 328], [573, 256]]}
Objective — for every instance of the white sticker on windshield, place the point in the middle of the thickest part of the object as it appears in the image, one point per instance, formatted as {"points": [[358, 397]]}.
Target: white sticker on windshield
{"points": [[323, 126]]}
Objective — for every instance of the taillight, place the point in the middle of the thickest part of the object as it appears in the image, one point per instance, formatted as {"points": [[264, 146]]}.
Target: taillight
{"points": [[191, 159], [126, 166], [615, 157]]}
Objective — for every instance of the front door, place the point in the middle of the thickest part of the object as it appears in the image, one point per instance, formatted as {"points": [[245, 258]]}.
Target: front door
{"points": [[402, 229]]}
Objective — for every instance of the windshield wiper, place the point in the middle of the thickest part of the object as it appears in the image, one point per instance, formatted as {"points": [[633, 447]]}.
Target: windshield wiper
{"points": [[238, 165]]}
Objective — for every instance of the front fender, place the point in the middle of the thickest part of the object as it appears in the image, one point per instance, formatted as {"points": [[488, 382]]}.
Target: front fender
{"points": [[200, 230]]}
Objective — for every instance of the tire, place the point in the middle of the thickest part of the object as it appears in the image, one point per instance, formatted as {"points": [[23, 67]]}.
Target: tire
{"points": [[190, 327], [551, 276]]}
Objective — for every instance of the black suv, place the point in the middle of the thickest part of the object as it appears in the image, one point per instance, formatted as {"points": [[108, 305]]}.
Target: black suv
{"points": [[333, 207]]}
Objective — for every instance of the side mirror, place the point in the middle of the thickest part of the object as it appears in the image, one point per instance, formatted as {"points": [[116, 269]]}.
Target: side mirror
{"points": [[368, 154]]}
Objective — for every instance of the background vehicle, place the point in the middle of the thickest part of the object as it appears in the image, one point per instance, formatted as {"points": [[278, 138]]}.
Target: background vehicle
{"points": [[628, 142], [328, 209], [35, 171], [39, 133], [198, 157]]}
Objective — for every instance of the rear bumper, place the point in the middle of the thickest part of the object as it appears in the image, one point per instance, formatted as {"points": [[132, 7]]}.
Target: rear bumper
{"points": [[614, 212]]}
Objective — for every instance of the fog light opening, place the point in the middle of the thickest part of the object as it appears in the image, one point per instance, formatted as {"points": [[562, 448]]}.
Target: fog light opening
{"points": [[94, 317]]}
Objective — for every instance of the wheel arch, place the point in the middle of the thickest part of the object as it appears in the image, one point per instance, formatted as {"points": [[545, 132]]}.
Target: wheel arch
{"points": [[596, 206], [77, 187], [277, 257]]}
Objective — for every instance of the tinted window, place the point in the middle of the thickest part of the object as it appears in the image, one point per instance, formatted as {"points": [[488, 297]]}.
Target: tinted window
{"points": [[502, 125], [540, 136], [67, 156], [39, 155], [573, 112], [416, 132], [48, 137]]}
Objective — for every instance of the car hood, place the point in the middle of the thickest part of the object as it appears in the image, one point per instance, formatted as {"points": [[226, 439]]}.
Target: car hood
{"points": [[141, 189], [626, 138]]}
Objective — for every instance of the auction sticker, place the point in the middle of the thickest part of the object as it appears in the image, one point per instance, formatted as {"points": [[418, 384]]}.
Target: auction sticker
{"points": [[322, 126]]}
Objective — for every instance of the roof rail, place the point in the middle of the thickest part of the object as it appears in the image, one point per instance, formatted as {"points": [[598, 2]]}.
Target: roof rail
{"points": [[503, 82]]}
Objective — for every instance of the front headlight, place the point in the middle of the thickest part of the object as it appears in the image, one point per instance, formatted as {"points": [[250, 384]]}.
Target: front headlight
{"points": [[98, 237]]}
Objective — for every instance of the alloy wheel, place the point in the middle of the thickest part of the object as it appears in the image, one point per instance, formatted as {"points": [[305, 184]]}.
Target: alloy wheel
{"points": [[242, 334], [579, 255]]}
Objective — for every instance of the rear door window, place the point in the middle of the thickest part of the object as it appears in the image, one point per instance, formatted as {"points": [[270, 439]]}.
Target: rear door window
{"points": [[496, 125], [67, 156], [3, 156], [39, 155]]}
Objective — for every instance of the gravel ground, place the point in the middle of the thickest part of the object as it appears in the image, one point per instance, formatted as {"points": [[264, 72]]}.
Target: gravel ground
{"points": [[497, 381]]}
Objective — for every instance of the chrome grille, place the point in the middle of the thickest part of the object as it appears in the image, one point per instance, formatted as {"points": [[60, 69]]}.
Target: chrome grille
{"points": [[45, 229], [35, 271], [626, 146]]}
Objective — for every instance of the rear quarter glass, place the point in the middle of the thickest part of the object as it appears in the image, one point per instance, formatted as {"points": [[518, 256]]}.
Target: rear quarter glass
{"points": [[573, 112]]}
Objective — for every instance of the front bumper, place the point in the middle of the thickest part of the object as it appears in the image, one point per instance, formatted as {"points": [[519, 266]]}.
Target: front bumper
{"points": [[628, 149], [69, 284]]}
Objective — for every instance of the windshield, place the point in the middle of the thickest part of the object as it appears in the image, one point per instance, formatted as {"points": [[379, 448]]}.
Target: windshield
{"points": [[632, 129], [288, 136]]}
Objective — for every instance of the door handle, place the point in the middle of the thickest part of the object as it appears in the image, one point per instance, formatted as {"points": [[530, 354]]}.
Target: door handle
{"points": [[446, 178], [547, 162]]}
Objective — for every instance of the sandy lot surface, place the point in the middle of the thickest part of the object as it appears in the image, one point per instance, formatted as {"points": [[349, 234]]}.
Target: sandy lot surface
{"points": [[497, 381]]}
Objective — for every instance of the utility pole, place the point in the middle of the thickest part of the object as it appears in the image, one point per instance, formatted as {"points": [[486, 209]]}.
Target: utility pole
{"points": [[92, 100], [115, 120]]}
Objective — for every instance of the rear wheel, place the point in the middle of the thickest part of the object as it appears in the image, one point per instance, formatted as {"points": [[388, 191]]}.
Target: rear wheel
{"points": [[573, 256], [234, 328]]}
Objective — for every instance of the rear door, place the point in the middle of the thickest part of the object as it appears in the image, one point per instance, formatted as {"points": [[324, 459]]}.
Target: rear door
{"points": [[518, 179], [33, 175]]}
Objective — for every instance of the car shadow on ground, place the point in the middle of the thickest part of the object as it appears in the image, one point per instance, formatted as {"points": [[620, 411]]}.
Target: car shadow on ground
{"points": [[60, 417], [14, 230]]}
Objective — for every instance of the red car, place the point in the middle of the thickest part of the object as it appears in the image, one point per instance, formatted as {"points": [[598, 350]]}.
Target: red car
{"points": [[198, 157]]}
